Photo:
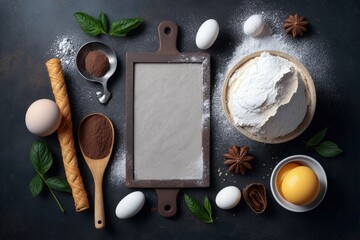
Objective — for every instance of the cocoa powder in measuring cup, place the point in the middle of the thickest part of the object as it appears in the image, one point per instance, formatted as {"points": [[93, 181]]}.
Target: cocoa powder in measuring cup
{"points": [[96, 136], [97, 63]]}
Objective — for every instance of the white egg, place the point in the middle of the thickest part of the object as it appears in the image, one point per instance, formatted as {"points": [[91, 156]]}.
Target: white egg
{"points": [[228, 197], [254, 25], [130, 205], [207, 34], [43, 117]]}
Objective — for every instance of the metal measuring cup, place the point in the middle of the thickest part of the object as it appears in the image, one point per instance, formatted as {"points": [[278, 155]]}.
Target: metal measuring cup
{"points": [[80, 63]]}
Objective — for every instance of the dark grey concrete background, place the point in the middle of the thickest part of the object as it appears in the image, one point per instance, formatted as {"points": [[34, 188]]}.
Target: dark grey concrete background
{"points": [[28, 30]]}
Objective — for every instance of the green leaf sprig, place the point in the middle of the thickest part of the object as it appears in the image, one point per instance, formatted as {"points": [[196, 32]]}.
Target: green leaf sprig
{"points": [[325, 148], [41, 159], [95, 27], [204, 213]]}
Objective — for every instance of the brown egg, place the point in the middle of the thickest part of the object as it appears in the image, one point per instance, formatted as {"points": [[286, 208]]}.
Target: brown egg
{"points": [[43, 117]]}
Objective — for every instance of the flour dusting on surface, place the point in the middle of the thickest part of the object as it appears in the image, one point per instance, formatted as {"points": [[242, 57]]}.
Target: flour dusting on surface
{"points": [[65, 47], [117, 169], [310, 50]]}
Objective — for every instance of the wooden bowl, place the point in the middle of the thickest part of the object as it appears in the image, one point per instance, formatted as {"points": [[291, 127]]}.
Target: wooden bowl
{"points": [[309, 91]]}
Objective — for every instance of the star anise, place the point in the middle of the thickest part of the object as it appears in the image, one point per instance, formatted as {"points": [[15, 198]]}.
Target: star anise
{"points": [[238, 159], [296, 25]]}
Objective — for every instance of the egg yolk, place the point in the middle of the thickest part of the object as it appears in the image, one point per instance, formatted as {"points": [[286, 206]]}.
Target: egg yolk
{"points": [[300, 185], [282, 173]]}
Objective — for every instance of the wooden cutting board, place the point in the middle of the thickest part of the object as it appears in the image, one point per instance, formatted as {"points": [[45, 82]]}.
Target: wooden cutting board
{"points": [[167, 119]]}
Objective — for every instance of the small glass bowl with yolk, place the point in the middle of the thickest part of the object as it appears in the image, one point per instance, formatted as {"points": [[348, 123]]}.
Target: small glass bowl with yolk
{"points": [[298, 183]]}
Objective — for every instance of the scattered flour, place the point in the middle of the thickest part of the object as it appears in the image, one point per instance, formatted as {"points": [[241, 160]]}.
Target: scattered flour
{"points": [[65, 50], [206, 112], [65, 47], [117, 168], [310, 50]]}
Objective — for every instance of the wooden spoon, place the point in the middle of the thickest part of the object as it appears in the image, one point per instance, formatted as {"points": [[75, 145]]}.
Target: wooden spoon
{"points": [[97, 166]]}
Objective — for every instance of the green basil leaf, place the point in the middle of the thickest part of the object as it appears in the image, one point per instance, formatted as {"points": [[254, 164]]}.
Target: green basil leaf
{"points": [[40, 157], [124, 26], [315, 140], [89, 24], [36, 185], [207, 206], [58, 184], [328, 149], [103, 22], [196, 209]]}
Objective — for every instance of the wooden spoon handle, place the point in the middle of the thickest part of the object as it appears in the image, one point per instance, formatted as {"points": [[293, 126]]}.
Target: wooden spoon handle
{"points": [[99, 214]]}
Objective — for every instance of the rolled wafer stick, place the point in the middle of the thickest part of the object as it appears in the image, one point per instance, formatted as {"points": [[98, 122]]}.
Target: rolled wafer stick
{"points": [[65, 135]]}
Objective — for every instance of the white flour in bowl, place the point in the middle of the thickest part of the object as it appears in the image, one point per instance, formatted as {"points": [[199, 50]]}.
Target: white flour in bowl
{"points": [[266, 96]]}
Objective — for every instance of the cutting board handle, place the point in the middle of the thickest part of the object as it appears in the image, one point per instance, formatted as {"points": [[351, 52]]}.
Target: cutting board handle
{"points": [[167, 205], [168, 32]]}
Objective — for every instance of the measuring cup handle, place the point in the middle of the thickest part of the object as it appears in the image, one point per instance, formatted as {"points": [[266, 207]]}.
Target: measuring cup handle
{"points": [[167, 206], [105, 95]]}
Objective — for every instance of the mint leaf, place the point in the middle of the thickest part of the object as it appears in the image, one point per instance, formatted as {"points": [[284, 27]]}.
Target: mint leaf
{"points": [[58, 184], [324, 148], [36, 185], [94, 27], [196, 209], [207, 206], [328, 149], [124, 26], [103, 22], [315, 140], [89, 24], [40, 157]]}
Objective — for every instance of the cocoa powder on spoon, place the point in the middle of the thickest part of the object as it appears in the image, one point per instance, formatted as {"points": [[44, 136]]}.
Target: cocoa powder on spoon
{"points": [[95, 137]]}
